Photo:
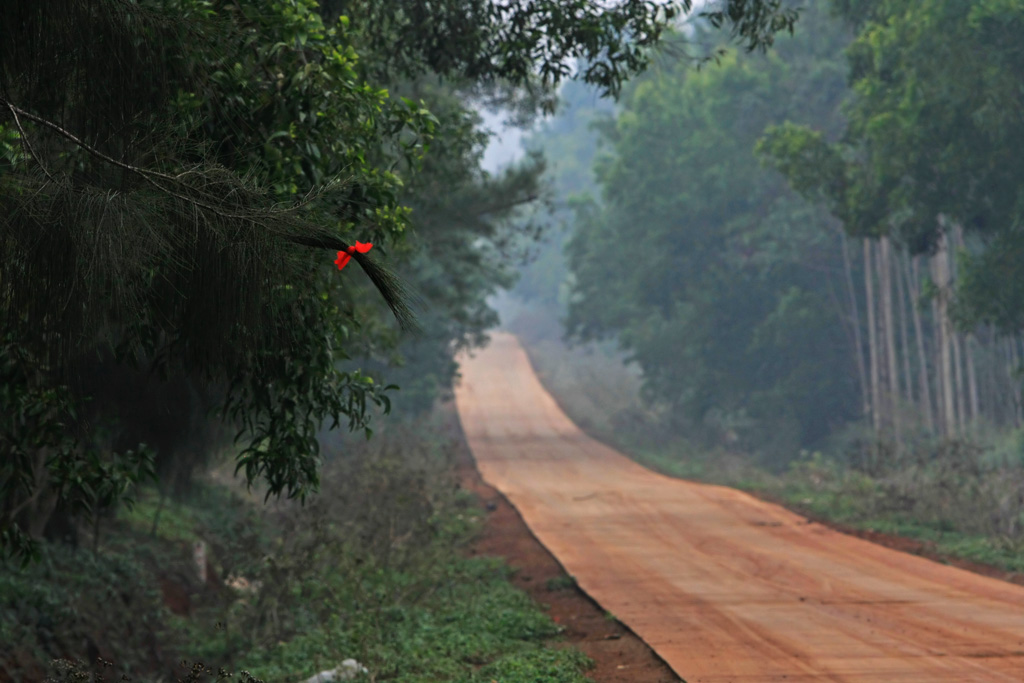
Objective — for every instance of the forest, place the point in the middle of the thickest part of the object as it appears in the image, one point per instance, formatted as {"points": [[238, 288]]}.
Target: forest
{"points": [[808, 260], [769, 244], [818, 247]]}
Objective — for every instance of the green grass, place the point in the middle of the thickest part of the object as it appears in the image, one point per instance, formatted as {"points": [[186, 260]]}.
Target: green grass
{"points": [[561, 582], [862, 502], [852, 499], [374, 570], [175, 521], [941, 537], [538, 666], [475, 625]]}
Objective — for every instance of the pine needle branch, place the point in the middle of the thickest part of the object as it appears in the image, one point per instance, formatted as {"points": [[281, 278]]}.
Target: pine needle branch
{"points": [[25, 140], [394, 292], [148, 175]]}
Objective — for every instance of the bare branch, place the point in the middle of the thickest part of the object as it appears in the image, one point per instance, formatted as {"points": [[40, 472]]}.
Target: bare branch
{"points": [[518, 201], [26, 141]]}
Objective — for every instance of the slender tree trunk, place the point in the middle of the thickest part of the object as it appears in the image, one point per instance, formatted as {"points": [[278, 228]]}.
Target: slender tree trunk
{"points": [[993, 396], [1013, 369], [969, 412], [941, 272], [901, 297], [1001, 359], [981, 358], [869, 289], [954, 240], [939, 375], [1001, 362], [913, 279], [892, 368], [958, 377], [974, 403], [858, 343]]}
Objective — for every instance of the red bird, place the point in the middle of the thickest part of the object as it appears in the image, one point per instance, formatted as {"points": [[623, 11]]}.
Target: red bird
{"points": [[345, 256]]}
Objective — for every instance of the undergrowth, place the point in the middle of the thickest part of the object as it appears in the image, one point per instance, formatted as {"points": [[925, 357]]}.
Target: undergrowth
{"points": [[372, 569]]}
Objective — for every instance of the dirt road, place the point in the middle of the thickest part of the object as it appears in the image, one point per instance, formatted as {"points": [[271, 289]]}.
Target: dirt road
{"points": [[723, 586]]}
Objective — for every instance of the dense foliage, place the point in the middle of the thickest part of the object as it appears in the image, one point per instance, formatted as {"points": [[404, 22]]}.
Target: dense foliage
{"points": [[927, 168], [600, 43], [934, 119], [161, 212], [719, 282], [884, 289], [570, 142]]}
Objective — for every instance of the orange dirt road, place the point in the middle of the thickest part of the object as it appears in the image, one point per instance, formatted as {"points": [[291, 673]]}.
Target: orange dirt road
{"points": [[723, 586]]}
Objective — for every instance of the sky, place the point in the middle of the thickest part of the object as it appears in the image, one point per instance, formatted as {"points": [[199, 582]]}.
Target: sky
{"points": [[504, 147]]}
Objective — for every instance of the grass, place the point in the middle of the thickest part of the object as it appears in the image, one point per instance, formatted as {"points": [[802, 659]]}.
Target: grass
{"points": [[70, 599], [933, 512], [1007, 554], [474, 623], [373, 569], [862, 507], [859, 501], [561, 582]]}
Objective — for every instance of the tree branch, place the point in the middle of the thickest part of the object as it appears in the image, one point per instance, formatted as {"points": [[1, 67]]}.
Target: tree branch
{"points": [[390, 286], [26, 141], [508, 205], [151, 177]]}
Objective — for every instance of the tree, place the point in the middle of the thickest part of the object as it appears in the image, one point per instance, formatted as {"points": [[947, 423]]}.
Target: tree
{"points": [[935, 116], [165, 212], [601, 43], [927, 164], [570, 141], [472, 232], [168, 192], [719, 283]]}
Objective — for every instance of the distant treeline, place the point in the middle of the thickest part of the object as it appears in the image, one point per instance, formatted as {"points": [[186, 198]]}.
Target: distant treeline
{"points": [[794, 244]]}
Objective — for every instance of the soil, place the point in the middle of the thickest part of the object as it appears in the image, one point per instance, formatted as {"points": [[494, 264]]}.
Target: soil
{"points": [[619, 655]]}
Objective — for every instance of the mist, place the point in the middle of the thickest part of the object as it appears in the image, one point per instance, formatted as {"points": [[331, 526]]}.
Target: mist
{"points": [[467, 341]]}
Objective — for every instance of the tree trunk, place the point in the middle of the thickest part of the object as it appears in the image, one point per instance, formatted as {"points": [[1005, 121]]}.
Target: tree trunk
{"points": [[939, 375], [970, 398], [974, 402], [958, 377], [941, 274], [869, 289], [892, 368], [925, 398], [858, 343], [995, 396], [901, 297], [1013, 369]]}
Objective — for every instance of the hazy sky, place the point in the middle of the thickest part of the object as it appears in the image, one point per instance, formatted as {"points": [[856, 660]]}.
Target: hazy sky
{"points": [[504, 147]]}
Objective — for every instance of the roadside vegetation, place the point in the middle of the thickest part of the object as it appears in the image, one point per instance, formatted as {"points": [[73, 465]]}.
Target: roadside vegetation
{"points": [[373, 569]]}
